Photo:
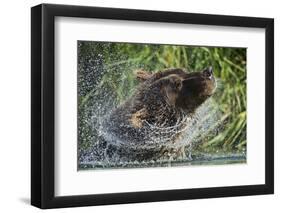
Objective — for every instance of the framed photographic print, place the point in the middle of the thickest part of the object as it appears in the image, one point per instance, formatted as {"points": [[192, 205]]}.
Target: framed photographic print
{"points": [[140, 106]]}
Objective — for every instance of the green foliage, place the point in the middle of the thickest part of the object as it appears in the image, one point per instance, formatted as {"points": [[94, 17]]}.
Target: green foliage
{"points": [[119, 60]]}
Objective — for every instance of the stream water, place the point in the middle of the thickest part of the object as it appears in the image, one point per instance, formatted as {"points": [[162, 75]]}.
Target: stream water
{"points": [[214, 159]]}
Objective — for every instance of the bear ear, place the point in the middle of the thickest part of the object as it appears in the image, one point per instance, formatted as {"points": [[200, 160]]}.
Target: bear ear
{"points": [[142, 75]]}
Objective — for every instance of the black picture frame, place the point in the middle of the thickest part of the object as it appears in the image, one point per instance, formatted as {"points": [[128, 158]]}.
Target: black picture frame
{"points": [[43, 102]]}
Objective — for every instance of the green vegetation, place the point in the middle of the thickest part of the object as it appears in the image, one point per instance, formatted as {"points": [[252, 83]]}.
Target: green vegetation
{"points": [[110, 66]]}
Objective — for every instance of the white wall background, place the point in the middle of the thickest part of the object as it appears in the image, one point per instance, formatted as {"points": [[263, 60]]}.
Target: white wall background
{"points": [[15, 105]]}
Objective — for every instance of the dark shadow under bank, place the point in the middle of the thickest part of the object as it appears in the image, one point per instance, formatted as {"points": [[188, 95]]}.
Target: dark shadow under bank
{"points": [[218, 159]]}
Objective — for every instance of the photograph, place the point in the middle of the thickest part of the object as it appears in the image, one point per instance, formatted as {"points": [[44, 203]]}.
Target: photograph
{"points": [[142, 105], [133, 105]]}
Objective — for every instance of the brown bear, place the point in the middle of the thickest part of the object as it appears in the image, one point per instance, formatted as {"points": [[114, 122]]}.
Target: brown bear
{"points": [[150, 123]]}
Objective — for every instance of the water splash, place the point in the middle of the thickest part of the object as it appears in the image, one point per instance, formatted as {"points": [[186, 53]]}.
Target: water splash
{"points": [[107, 149]]}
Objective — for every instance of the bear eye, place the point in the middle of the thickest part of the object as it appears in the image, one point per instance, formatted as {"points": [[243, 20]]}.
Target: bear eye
{"points": [[178, 84]]}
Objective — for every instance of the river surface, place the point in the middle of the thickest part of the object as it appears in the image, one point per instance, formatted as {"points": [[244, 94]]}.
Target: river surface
{"points": [[207, 159]]}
